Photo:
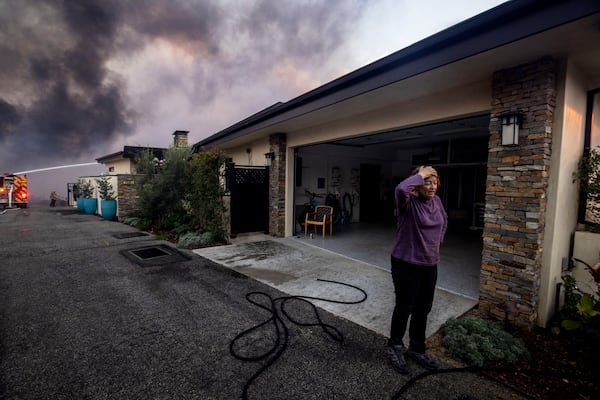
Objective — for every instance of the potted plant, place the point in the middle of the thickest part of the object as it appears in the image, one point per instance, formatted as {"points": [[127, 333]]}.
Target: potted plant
{"points": [[78, 198], [108, 203], [86, 191]]}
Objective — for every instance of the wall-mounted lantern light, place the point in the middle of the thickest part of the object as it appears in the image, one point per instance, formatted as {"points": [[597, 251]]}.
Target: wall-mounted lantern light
{"points": [[511, 122], [269, 157]]}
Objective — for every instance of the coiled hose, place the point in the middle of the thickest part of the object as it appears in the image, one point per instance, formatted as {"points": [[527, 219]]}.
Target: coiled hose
{"points": [[281, 329]]}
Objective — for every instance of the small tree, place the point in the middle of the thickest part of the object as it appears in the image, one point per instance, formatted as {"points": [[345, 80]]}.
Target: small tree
{"points": [[85, 189], [105, 189], [207, 191], [162, 189]]}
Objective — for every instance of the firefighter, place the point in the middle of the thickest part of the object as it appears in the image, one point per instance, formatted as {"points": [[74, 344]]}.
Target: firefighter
{"points": [[53, 198]]}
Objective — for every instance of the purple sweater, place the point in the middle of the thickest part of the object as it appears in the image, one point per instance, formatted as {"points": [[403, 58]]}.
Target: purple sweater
{"points": [[421, 225]]}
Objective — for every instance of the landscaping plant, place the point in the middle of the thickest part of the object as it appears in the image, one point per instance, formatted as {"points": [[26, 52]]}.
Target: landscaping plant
{"points": [[476, 340], [105, 189]]}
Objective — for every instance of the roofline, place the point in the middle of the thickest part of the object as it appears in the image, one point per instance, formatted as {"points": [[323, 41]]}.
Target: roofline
{"points": [[129, 152], [109, 156], [501, 25]]}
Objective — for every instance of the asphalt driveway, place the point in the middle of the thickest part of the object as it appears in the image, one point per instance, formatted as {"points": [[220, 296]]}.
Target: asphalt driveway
{"points": [[88, 310]]}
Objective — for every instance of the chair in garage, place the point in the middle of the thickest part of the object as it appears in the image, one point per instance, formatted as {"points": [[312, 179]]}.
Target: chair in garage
{"points": [[322, 216]]}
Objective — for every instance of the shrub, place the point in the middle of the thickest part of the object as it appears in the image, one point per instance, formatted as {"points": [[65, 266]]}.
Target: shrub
{"points": [[580, 312], [162, 190], [207, 191], [475, 341], [85, 189], [136, 222], [193, 240]]}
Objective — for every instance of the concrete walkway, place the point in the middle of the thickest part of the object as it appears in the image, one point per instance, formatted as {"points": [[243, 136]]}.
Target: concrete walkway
{"points": [[293, 267]]}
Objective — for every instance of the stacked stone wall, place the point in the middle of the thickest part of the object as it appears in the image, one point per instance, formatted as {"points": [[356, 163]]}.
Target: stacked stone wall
{"points": [[127, 195], [277, 145], [516, 191]]}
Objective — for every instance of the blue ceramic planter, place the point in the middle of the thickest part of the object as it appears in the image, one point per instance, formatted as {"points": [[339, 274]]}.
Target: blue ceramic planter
{"points": [[89, 206], [108, 209], [80, 206]]}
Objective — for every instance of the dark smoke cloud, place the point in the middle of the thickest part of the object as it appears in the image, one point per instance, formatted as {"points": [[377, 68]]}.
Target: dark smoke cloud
{"points": [[61, 102]]}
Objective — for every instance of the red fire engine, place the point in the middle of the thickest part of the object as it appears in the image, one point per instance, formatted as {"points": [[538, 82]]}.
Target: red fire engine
{"points": [[13, 191]]}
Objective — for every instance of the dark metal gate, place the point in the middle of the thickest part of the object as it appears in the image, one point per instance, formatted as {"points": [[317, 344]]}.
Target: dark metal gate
{"points": [[249, 188]]}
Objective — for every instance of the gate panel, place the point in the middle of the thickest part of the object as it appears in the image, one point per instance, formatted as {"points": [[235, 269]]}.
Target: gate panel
{"points": [[249, 189]]}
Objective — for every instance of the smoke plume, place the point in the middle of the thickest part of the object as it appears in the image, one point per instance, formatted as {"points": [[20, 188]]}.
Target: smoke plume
{"points": [[81, 77]]}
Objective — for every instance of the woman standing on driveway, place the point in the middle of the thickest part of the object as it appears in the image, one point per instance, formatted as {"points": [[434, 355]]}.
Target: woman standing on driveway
{"points": [[421, 227]]}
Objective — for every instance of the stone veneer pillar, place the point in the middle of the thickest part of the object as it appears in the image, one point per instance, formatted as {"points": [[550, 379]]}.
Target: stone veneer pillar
{"points": [[126, 195], [516, 191], [277, 145]]}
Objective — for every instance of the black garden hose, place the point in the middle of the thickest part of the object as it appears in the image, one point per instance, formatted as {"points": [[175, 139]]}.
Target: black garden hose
{"points": [[282, 330]]}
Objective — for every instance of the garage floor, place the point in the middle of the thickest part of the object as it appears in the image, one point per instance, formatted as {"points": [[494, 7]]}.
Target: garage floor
{"points": [[371, 243]]}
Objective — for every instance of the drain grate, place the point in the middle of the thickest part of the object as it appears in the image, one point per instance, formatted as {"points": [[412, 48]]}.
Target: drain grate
{"points": [[128, 235], [149, 256], [151, 252]]}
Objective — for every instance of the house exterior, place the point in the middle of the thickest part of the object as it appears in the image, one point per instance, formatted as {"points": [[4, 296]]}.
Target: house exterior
{"points": [[120, 168], [442, 101]]}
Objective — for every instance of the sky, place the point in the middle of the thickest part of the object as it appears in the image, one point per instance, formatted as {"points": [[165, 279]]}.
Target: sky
{"points": [[80, 79]]}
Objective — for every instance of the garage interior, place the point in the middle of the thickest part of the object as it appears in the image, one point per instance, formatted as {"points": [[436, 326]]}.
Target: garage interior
{"points": [[362, 172]]}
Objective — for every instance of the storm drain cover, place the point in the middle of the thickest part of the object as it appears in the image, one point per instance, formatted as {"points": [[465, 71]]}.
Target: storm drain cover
{"points": [[149, 256], [151, 252], [127, 235]]}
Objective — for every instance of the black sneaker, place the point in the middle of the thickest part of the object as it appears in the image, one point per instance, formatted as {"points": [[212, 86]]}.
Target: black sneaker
{"points": [[396, 355], [423, 359]]}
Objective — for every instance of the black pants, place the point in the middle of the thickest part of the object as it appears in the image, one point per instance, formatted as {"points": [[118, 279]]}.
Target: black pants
{"points": [[414, 286], [52, 202]]}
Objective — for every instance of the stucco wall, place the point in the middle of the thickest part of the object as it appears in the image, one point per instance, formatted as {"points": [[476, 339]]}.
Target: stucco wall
{"points": [[251, 154], [122, 166], [561, 216]]}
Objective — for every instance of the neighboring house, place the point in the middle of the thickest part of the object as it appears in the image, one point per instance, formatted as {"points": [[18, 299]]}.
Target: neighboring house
{"points": [[123, 162], [443, 101], [121, 168]]}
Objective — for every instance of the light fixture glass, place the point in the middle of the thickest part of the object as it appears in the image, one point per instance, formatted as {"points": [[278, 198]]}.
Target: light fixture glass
{"points": [[511, 123], [269, 157]]}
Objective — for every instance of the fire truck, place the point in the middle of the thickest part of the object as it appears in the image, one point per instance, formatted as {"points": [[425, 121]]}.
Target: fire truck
{"points": [[13, 191]]}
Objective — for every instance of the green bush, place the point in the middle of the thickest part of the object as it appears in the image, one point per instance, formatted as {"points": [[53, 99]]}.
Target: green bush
{"points": [[193, 240], [162, 189], [206, 171], [475, 341], [580, 312], [85, 189], [182, 195], [136, 222]]}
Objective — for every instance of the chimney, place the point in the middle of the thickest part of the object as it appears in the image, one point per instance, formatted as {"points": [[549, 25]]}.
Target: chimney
{"points": [[180, 138]]}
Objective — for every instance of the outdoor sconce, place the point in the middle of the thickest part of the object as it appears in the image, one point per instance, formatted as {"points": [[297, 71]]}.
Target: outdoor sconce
{"points": [[269, 157], [511, 122]]}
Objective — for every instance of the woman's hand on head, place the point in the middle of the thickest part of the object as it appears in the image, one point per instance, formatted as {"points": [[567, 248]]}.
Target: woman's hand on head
{"points": [[427, 171]]}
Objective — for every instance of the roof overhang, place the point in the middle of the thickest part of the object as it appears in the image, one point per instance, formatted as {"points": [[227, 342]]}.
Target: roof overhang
{"points": [[110, 157], [510, 34]]}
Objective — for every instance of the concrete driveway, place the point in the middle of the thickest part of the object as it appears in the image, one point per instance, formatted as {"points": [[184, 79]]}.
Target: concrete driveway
{"points": [[91, 310]]}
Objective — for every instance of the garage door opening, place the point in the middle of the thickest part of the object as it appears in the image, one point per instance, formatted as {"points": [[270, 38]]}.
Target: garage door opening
{"points": [[362, 172]]}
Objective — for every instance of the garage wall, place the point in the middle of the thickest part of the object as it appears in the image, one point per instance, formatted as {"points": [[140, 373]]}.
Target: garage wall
{"points": [[338, 168]]}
